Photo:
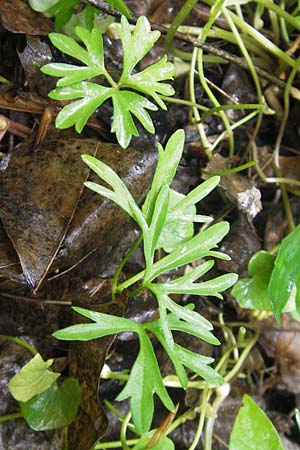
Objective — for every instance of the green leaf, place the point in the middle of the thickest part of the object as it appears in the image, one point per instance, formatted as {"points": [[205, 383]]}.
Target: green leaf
{"points": [[42, 5], [105, 325], [63, 11], [178, 227], [253, 430], [120, 6], [196, 248], [144, 381], [158, 220], [177, 324], [285, 279], [149, 80], [127, 104], [92, 57], [119, 193], [78, 113], [156, 327], [168, 161], [252, 293], [212, 287], [199, 365], [135, 46], [54, 408], [164, 444], [34, 378]]}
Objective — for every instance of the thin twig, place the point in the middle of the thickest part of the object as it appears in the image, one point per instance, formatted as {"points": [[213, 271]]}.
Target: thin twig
{"points": [[193, 41]]}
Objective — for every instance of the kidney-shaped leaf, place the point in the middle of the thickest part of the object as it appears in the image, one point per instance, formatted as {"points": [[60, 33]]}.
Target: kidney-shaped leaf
{"points": [[54, 408]]}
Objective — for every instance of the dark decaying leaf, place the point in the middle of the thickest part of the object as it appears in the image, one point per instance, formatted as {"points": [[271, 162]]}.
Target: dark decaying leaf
{"points": [[9, 261], [39, 200], [17, 16], [100, 228], [39, 194], [34, 56]]}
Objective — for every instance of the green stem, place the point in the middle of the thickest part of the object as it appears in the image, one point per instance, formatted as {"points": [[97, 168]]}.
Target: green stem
{"points": [[179, 18], [204, 404], [20, 342], [124, 430], [222, 392], [13, 416], [230, 171], [114, 444], [122, 264]]}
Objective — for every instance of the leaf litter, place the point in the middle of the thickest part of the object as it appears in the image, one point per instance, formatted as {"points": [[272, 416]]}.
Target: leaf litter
{"points": [[44, 210]]}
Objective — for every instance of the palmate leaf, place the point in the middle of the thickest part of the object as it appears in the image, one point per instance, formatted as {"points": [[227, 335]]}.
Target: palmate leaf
{"points": [[148, 81], [77, 113], [127, 104], [145, 380], [135, 46], [92, 57]]}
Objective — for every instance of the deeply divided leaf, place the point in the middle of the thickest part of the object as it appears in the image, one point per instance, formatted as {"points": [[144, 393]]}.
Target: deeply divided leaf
{"points": [[129, 106], [144, 381]]}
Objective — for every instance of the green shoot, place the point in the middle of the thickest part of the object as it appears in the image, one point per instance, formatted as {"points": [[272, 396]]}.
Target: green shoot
{"points": [[156, 214], [127, 94]]}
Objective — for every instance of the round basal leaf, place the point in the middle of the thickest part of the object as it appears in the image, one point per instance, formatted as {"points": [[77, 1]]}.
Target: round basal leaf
{"points": [[252, 293], [285, 279], [34, 378], [176, 229], [54, 408], [253, 430]]}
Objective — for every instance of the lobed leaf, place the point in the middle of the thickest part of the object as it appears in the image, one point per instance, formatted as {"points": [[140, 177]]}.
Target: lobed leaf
{"points": [[212, 287], [168, 161], [93, 57], [199, 365], [127, 104], [136, 44], [145, 380], [34, 378], [77, 113], [148, 81], [105, 325], [196, 248], [119, 193]]}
